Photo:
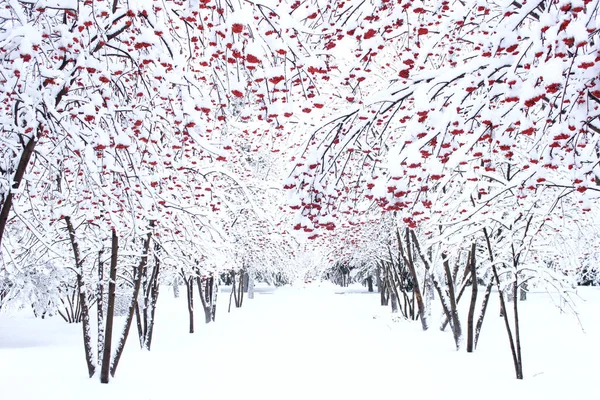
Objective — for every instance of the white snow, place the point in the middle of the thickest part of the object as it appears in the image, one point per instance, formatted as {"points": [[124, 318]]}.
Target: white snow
{"points": [[316, 342]]}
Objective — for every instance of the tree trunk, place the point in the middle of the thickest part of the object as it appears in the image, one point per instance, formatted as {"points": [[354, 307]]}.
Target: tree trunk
{"points": [[517, 329], [100, 307], [246, 281], [474, 287], [176, 287], [515, 288], [152, 294], [110, 309], [17, 179], [251, 288], [190, 301], [213, 310], [516, 361], [370, 284], [394, 302], [240, 292], [409, 262], [412, 308], [523, 292], [85, 314], [390, 282], [385, 295], [456, 328], [205, 297], [393, 277], [382, 285], [143, 306], [146, 310], [488, 289], [463, 288], [151, 320], [133, 304], [233, 292], [211, 299], [450, 314], [138, 323]]}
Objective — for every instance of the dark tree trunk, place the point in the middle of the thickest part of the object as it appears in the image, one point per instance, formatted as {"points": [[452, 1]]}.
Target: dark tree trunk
{"points": [[246, 281], [453, 312], [233, 294], [382, 284], [393, 277], [213, 311], [78, 311], [463, 288], [394, 302], [240, 293], [516, 361], [189, 283], [370, 283], [17, 179], [239, 297], [523, 291], [519, 369], [142, 308], [100, 307], [151, 312], [385, 296], [515, 288], [134, 298], [110, 310], [138, 323], [412, 308], [474, 286], [409, 262], [390, 283], [151, 323], [488, 290], [145, 312], [85, 314], [206, 297]]}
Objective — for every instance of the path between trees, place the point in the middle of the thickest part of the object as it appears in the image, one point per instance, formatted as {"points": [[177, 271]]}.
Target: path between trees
{"points": [[306, 343]]}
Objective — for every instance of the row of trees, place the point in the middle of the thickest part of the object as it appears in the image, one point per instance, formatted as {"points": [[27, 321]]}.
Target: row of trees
{"points": [[139, 145], [471, 155], [448, 141]]}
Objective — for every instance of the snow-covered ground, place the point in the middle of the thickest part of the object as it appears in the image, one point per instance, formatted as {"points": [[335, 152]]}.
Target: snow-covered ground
{"points": [[311, 343]]}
